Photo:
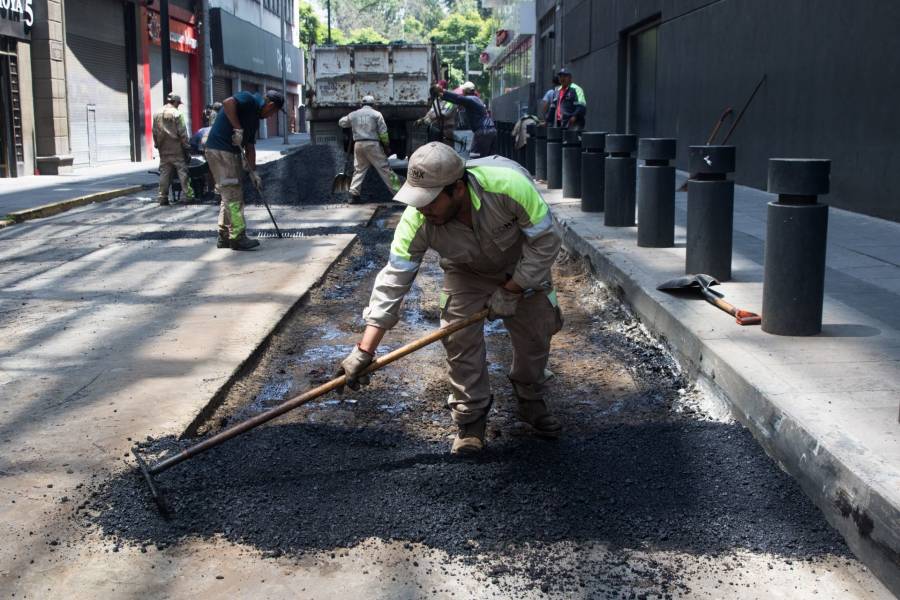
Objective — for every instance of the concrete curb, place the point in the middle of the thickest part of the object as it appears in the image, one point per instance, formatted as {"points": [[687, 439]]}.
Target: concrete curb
{"points": [[54, 208], [868, 521]]}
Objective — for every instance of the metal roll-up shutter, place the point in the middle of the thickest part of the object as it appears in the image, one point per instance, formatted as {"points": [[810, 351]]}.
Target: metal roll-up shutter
{"points": [[221, 88], [97, 82]]}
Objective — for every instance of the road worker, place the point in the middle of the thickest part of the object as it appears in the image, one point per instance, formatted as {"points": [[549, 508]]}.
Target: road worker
{"points": [[497, 243], [371, 147], [170, 136]]}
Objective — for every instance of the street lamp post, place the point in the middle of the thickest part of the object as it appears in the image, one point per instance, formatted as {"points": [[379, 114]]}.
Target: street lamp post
{"points": [[165, 48]]}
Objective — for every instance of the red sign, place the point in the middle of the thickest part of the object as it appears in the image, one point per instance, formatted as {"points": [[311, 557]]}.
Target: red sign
{"points": [[501, 37], [182, 36]]}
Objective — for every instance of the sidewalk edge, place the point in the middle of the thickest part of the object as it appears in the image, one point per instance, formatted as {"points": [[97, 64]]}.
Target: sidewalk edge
{"points": [[867, 520], [54, 208]]}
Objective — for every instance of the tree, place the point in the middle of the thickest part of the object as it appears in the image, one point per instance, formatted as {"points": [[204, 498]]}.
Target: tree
{"points": [[365, 35], [414, 31], [455, 30], [308, 25]]}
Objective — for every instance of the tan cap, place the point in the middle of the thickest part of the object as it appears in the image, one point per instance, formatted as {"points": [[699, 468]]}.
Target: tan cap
{"points": [[431, 168], [468, 86], [368, 99]]}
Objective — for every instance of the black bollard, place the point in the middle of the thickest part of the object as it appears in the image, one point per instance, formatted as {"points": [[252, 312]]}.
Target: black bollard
{"points": [[619, 170], [540, 153], [710, 212], [656, 193], [554, 158], [593, 158], [796, 234], [529, 148], [571, 163]]}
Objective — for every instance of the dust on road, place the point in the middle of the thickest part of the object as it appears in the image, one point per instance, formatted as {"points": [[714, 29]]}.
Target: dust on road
{"points": [[643, 467]]}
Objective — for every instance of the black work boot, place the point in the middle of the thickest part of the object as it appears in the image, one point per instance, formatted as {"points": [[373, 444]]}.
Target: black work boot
{"points": [[532, 409], [242, 242], [223, 241]]}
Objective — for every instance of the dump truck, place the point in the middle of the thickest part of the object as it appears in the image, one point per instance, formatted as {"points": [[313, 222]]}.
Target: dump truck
{"points": [[397, 75]]}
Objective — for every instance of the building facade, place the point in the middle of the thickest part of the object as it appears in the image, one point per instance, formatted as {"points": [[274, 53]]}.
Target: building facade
{"points": [[80, 81], [510, 60], [670, 69]]}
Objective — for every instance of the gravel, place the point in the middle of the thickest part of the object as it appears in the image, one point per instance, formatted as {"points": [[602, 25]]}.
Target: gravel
{"points": [[642, 467]]}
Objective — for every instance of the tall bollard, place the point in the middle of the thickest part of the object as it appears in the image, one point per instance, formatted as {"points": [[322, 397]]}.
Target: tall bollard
{"points": [[571, 164], [656, 193], [554, 158], [530, 147], [540, 153], [796, 233], [593, 144], [620, 180], [710, 212]]}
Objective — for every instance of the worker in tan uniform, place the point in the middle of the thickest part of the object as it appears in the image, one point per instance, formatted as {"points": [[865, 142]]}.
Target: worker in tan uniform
{"points": [[497, 243], [441, 120], [170, 136], [371, 147]]}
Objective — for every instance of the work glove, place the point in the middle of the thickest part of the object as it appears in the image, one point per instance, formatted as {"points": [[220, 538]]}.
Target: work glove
{"points": [[352, 366], [436, 91], [237, 137], [256, 180], [502, 304]]}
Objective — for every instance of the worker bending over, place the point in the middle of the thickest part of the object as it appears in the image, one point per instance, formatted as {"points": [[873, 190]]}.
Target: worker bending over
{"points": [[497, 243]]}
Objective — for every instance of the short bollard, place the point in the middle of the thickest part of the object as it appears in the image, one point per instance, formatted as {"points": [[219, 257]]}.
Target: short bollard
{"points": [[592, 165], [529, 148], [554, 158], [571, 164], [656, 193], [710, 211], [540, 153], [620, 180], [501, 138], [796, 233]]}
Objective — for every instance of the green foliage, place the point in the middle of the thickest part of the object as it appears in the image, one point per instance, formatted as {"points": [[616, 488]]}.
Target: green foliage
{"points": [[308, 25], [365, 35], [458, 28], [414, 31]]}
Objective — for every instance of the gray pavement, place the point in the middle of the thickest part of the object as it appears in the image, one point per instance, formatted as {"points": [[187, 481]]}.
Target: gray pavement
{"points": [[21, 193], [117, 321], [824, 407]]}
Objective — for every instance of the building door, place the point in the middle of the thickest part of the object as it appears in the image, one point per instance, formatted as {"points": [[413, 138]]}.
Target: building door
{"points": [[97, 82], [12, 150], [641, 104]]}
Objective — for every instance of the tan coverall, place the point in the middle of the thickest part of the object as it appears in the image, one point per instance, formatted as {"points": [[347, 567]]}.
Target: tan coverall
{"points": [[513, 236], [171, 139], [369, 133]]}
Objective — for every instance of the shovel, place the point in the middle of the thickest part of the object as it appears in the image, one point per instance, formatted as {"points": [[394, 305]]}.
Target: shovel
{"points": [[148, 471], [703, 283], [343, 179], [259, 192]]}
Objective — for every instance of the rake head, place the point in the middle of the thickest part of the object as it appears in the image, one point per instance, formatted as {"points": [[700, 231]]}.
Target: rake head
{"points": [[154, 491]]}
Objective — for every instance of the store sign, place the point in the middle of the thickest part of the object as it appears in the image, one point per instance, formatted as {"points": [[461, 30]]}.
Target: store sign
{"points": [[182, 37], [501, 37], [16, 18], [240, 45]]}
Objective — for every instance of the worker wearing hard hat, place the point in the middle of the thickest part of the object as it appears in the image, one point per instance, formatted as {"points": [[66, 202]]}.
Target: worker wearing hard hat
{"points": [[370, 147], [497, 243]]}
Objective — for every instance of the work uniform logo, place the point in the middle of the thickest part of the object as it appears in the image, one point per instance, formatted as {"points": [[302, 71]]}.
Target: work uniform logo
{"points": [[416, 173], [505, 227]]}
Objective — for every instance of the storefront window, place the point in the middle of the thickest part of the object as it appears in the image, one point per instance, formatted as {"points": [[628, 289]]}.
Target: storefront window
{"points": [[514, 70]]}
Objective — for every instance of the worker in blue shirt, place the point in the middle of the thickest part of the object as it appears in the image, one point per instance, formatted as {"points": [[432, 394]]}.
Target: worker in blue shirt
{"points": [[481, 123], [232, 135], [548, 102]]}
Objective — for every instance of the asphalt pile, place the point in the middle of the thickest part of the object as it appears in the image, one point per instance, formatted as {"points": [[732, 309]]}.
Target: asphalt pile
{"points": [[636, 472]]}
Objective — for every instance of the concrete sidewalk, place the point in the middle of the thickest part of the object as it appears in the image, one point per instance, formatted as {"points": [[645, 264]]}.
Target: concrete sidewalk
{"points": [[21, 193], [824, 407]]}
